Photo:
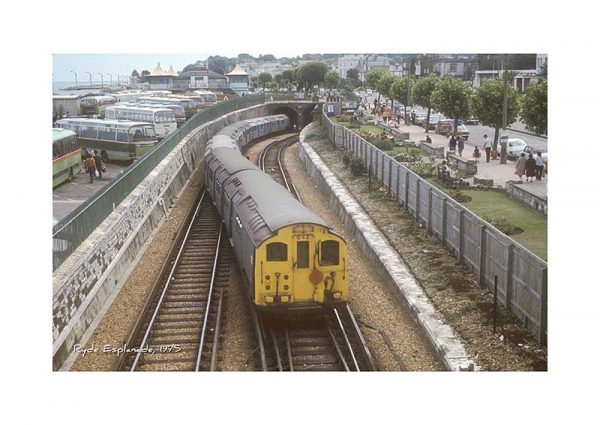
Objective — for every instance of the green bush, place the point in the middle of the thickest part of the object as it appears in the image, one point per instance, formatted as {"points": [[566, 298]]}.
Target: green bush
{"points": [[459, 195], [423, 169], [343, 118], [503, 225], [357, 168]]}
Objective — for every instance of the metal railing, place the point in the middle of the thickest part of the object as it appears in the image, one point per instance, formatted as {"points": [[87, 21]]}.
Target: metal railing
{"points": [[73, 229]]}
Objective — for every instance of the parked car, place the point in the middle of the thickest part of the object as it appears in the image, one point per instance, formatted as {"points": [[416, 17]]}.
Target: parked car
{"points": [[514, 147], [472, 121], [446, 127], [531, 150]]}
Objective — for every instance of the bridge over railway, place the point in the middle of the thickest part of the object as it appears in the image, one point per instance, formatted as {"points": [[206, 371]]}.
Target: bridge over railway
{"points": [[96, 245]]}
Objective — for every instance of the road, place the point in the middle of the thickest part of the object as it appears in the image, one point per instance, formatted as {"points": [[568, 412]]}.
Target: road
{"points": [[67, 196]]}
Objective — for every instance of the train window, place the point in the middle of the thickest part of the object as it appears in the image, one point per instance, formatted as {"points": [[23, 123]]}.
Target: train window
{"points": [[302, 252], [277, 251], [330, 253]]}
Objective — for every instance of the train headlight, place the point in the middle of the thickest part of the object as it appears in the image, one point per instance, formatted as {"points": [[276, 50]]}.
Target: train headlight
{"points": [[285, 299], [337, 295], [286, 287], [269, 299]]}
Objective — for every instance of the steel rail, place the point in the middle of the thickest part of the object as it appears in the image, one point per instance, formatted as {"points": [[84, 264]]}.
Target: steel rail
{"points": [[277, 353], [337, 348], [285, 180], [259, 335], [162, 295], [363, 343], [210, 291], [339, 320], [215, 348], [289, 349]]}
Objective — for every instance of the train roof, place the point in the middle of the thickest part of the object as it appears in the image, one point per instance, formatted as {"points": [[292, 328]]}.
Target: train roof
{"points": [[139, 108], [263, 205]]}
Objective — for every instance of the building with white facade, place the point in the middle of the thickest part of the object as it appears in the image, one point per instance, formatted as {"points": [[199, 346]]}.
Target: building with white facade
{"points": [[347, 62], [161, 80], [520, 82]]}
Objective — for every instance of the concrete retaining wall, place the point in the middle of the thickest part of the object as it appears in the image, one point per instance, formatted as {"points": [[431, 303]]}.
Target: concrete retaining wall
{"points": [[97, 269], [515, 190], [467, 167], [389, 264], [429, 149]]}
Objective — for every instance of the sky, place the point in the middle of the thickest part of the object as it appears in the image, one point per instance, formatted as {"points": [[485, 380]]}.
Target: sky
{"points": [[124, 63]]}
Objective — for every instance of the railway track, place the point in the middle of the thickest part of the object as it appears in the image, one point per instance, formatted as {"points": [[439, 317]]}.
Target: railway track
{"points": [[331, 341], [270, 161], [179, 327], [328, 342]]}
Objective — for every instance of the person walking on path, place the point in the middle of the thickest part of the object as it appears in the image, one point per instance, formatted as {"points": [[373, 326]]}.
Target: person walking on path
{"points": [[488, 149], [98, 163], [530, 168], [452, 143], [90, 165], [539, 166], [460, 143], [520, 166]]}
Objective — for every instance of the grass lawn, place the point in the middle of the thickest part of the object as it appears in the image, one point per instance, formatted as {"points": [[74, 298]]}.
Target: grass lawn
{"points": [[364, 127], [499, 205]]}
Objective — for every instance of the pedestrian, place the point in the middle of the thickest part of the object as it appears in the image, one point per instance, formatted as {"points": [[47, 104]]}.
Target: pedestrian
{"points": [[428, 139], [452, 143], [539, 166], [530, 168], [520, 166], [98, 163], [460, 144], [488, 149], [476, 153], [90, 165]]}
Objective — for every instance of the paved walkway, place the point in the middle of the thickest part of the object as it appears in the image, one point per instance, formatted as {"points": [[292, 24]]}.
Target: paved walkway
{"points": [[500, 173]]}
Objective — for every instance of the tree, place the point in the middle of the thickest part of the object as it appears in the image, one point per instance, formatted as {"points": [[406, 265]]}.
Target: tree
{"points": [[267, 58], [288, 74], [332, 80], [452, 98], [135, 74], [534, 107], [311, 74], [422, 91], [352, 74], [372, 78], [218, 64], [487, 104], [400, 91], [143, 75], [242, 57], [383, 85], [264, 78]]}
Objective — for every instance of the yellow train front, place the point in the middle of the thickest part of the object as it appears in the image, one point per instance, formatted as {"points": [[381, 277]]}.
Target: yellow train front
{"points": [[290, 258]]}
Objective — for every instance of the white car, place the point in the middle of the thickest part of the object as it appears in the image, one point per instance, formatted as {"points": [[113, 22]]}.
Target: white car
{"points": [[514, 147]]}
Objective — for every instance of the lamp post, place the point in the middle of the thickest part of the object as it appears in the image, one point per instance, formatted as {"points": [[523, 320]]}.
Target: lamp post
{"points": [[110, 75], [90, 74], [75, 78], [101, 79]]}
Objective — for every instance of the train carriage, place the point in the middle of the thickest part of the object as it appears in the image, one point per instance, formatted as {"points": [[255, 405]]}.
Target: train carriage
{"points": [[290, 258]]}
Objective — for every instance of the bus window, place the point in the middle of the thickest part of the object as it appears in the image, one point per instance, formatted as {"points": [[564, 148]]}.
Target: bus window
{"points": [[302, 252], [330, 253], [150, 132], [277, 251]]}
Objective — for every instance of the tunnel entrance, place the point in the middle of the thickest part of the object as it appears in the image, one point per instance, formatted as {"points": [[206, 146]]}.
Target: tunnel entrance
{"points": [[291, 114]]}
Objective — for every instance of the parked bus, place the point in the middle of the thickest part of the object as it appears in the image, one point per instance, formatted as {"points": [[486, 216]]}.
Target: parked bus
{"points": [[163, 119], [66, 156], [177, 109], [128, 95], [208, 96], [94, 105], [188, 105], [113, 139]]}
